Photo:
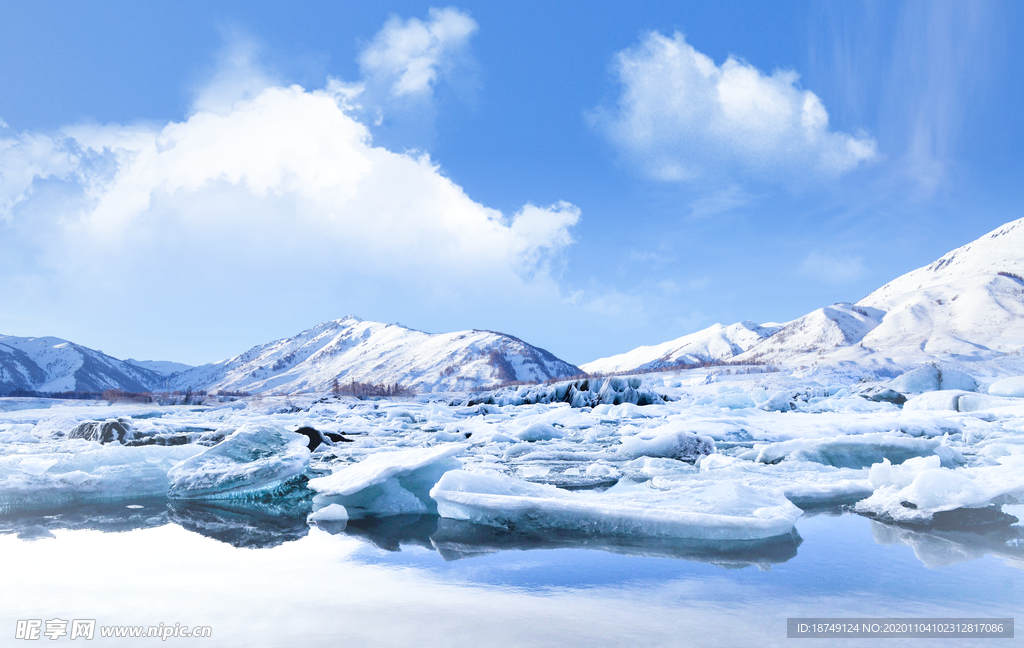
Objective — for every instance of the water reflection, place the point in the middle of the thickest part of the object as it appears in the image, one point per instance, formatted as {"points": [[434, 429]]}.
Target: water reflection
{"points": [[109, 518], [937, 548], [456, 540], [239, 523], [258, 525]]}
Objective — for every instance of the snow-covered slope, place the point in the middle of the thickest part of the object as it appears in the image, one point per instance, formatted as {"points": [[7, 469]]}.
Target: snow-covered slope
{"points": [[970, 302], [838, 325], [351, 349], [50, 364], [967, 305], [717, 342]]}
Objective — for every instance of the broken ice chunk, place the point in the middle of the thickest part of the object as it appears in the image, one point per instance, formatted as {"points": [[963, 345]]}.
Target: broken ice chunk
{"points": [[539, 432], [670, 440], [920, 492], [388, 483], [253, 461]]}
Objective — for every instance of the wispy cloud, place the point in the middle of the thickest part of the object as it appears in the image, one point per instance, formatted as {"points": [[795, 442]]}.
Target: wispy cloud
{"points": [[922, 71], [237, 75], [402, 70], [680, 117], [407, 56]]}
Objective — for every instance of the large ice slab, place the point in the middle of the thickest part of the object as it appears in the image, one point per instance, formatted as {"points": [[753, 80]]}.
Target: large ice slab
{"points": [[388, 482], [959, 401], [919, 489], [255, 460], [706, 510], [855, 450], [80, 472], [807, 484]]}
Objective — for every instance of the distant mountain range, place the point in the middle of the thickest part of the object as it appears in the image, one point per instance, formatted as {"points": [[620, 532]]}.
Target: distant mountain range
{"points": [[50, 364], [345, 350], [968, 305]]}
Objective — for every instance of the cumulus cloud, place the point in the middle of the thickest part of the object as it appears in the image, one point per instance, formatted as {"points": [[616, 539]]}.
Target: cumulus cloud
{"points": [[832, 268], [681, 117], [280, 197]]}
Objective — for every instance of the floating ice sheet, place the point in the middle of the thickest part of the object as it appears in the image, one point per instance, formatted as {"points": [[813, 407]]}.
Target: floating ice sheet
{"points": [[79, 472], [698, 510], [855, 451]]}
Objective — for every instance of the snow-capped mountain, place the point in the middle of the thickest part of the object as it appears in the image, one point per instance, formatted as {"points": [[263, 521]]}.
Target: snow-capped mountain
{"points": [[351, 349], [50, 364], [967, 305], [162, 367], [717, 342]]}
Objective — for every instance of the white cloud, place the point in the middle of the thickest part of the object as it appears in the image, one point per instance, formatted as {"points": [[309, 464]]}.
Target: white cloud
{"points": [[406, 57], [237, 76], [681, 117], [26, 158], [280, 201], [832, 268]]}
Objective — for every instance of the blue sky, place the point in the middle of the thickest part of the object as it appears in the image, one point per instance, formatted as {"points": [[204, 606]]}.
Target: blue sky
{"points": [[184, 180]]}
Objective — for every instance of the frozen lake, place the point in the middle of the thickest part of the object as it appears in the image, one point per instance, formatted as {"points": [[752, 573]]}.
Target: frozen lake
{"points": [[270, 580]]}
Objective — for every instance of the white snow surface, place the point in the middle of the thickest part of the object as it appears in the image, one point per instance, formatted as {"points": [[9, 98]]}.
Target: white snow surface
{"points": [[1013, 387], [350, 349]]}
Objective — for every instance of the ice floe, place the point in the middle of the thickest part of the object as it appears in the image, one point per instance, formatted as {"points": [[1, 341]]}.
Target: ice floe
{"points": [[81, 471], [921, 492], [256, 460], [720, 510], [387, 483]]}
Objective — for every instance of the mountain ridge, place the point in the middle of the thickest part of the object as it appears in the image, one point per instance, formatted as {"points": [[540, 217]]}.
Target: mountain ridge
{"points": [[968, 304]]}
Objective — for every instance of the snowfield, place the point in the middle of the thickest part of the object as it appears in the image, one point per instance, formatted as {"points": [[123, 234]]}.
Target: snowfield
{"points": [[717, 455]]}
